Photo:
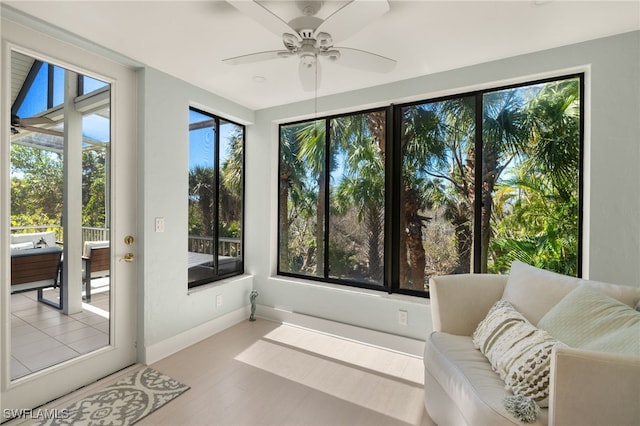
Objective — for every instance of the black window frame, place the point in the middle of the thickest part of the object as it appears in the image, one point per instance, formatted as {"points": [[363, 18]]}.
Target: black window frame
{"points": [[393, 178], [217, 276]]}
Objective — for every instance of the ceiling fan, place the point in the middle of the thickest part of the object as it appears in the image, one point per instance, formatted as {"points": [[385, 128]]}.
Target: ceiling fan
{"points": [[31, 124], [310, 37]]}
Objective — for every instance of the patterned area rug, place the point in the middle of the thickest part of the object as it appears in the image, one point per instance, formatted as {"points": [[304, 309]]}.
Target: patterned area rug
{"points": [[123, 403]]}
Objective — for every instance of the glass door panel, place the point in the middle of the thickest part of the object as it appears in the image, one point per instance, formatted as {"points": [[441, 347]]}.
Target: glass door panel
{"points": [[60, 215]]}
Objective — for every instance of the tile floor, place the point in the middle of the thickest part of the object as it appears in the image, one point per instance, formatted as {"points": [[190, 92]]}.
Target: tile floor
{"points": [[42, 336]]}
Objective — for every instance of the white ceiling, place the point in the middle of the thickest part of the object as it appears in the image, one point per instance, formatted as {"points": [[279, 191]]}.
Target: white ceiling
{"points": [[189, 39]]}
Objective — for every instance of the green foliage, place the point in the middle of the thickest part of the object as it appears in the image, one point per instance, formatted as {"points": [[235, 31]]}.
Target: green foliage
{"points": [[36, 182], [37, 187], [530, 174]]}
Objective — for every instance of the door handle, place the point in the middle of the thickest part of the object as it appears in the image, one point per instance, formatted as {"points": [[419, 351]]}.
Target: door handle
{"points": [[128, 257]]}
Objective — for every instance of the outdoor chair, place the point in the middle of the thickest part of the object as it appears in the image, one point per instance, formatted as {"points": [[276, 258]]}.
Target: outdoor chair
{"points": [[37, 268], [96, 263]]}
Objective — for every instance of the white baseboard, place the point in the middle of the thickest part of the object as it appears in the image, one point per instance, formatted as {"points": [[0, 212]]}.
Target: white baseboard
{"points": [[163, 349], [393, 342]]}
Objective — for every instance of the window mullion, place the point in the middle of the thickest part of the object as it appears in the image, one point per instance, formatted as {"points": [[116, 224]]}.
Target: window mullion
{"points": [[327, 169], [393, 181], [216, 202], [478, 180]]}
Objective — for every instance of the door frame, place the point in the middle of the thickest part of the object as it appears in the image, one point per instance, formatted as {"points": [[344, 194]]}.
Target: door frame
{"points": [[42, 386]]}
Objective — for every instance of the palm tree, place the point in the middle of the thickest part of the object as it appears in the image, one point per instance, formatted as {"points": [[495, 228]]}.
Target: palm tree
{"points": [[361, 185], [201, 194], [535, 230], [291, 185], [422, 149], [542, 199], [504, 137], [313, 152], [231, 178], [554, 119]]}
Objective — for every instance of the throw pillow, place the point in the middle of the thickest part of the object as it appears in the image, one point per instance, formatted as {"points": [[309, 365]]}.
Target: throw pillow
{"points": [[588, 319], [518, 351], [534, 291]]}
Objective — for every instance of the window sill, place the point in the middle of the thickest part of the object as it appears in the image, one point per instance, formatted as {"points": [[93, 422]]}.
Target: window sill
{"points": [[353, 290], [235, 280]]}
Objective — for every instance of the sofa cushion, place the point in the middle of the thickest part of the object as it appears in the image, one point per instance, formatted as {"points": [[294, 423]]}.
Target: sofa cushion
{"points": [[533, 291], [588, 319], [518, 351], [466, 377], [48, 237]]}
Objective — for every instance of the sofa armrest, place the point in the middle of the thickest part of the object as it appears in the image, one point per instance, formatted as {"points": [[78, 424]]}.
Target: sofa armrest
{"points": [[460, 302], [593, 388]]}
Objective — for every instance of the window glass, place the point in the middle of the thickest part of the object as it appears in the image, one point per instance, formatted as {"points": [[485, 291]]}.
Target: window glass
{"points": [[216, 191], [90, 84], [35, 100], [436, 190], [302, 198], [60, 204], [58, 85], [357, 198], [531, 164], [464, 184]]}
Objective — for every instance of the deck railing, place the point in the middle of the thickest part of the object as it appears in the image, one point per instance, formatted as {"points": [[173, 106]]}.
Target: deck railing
{"points": [[226, 246], [88, 233]]}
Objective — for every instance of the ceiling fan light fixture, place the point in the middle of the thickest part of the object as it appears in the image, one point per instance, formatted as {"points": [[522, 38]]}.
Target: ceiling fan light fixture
{"points": [[324, 40], [307, 59], [290, 41]]}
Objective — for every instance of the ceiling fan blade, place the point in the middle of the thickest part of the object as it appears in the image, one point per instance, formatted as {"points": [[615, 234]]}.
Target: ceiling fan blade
{"points": [[257, 57], [42, 130], [352, 17], [263, 16], [309, 76], [34, 120], [363, 60]]}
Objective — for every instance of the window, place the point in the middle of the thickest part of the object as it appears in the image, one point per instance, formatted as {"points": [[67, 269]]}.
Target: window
{"points": [[460, 184], [331, 209], [216, 194]]}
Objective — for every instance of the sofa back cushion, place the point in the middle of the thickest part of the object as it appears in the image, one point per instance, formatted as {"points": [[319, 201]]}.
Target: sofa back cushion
{"points": [[533, 291], [49, 238], [589, 319], [89, 245]]}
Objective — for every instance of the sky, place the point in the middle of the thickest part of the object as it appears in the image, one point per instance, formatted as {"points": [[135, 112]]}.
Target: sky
{"points": [[35, 102]]}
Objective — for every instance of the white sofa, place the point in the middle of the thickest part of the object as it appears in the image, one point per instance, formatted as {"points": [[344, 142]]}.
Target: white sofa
{"points": [[586, 387]]}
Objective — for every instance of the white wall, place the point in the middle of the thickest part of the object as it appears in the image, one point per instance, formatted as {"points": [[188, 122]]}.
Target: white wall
{"points": [[612, 181], [166, 309]]}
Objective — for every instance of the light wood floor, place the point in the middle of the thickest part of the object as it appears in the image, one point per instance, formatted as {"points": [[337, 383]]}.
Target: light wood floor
{"points": [[265, 373]]}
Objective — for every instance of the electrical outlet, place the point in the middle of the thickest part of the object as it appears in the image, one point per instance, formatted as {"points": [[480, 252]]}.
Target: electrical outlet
{"points": [[219, 300], [403, 317]]}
